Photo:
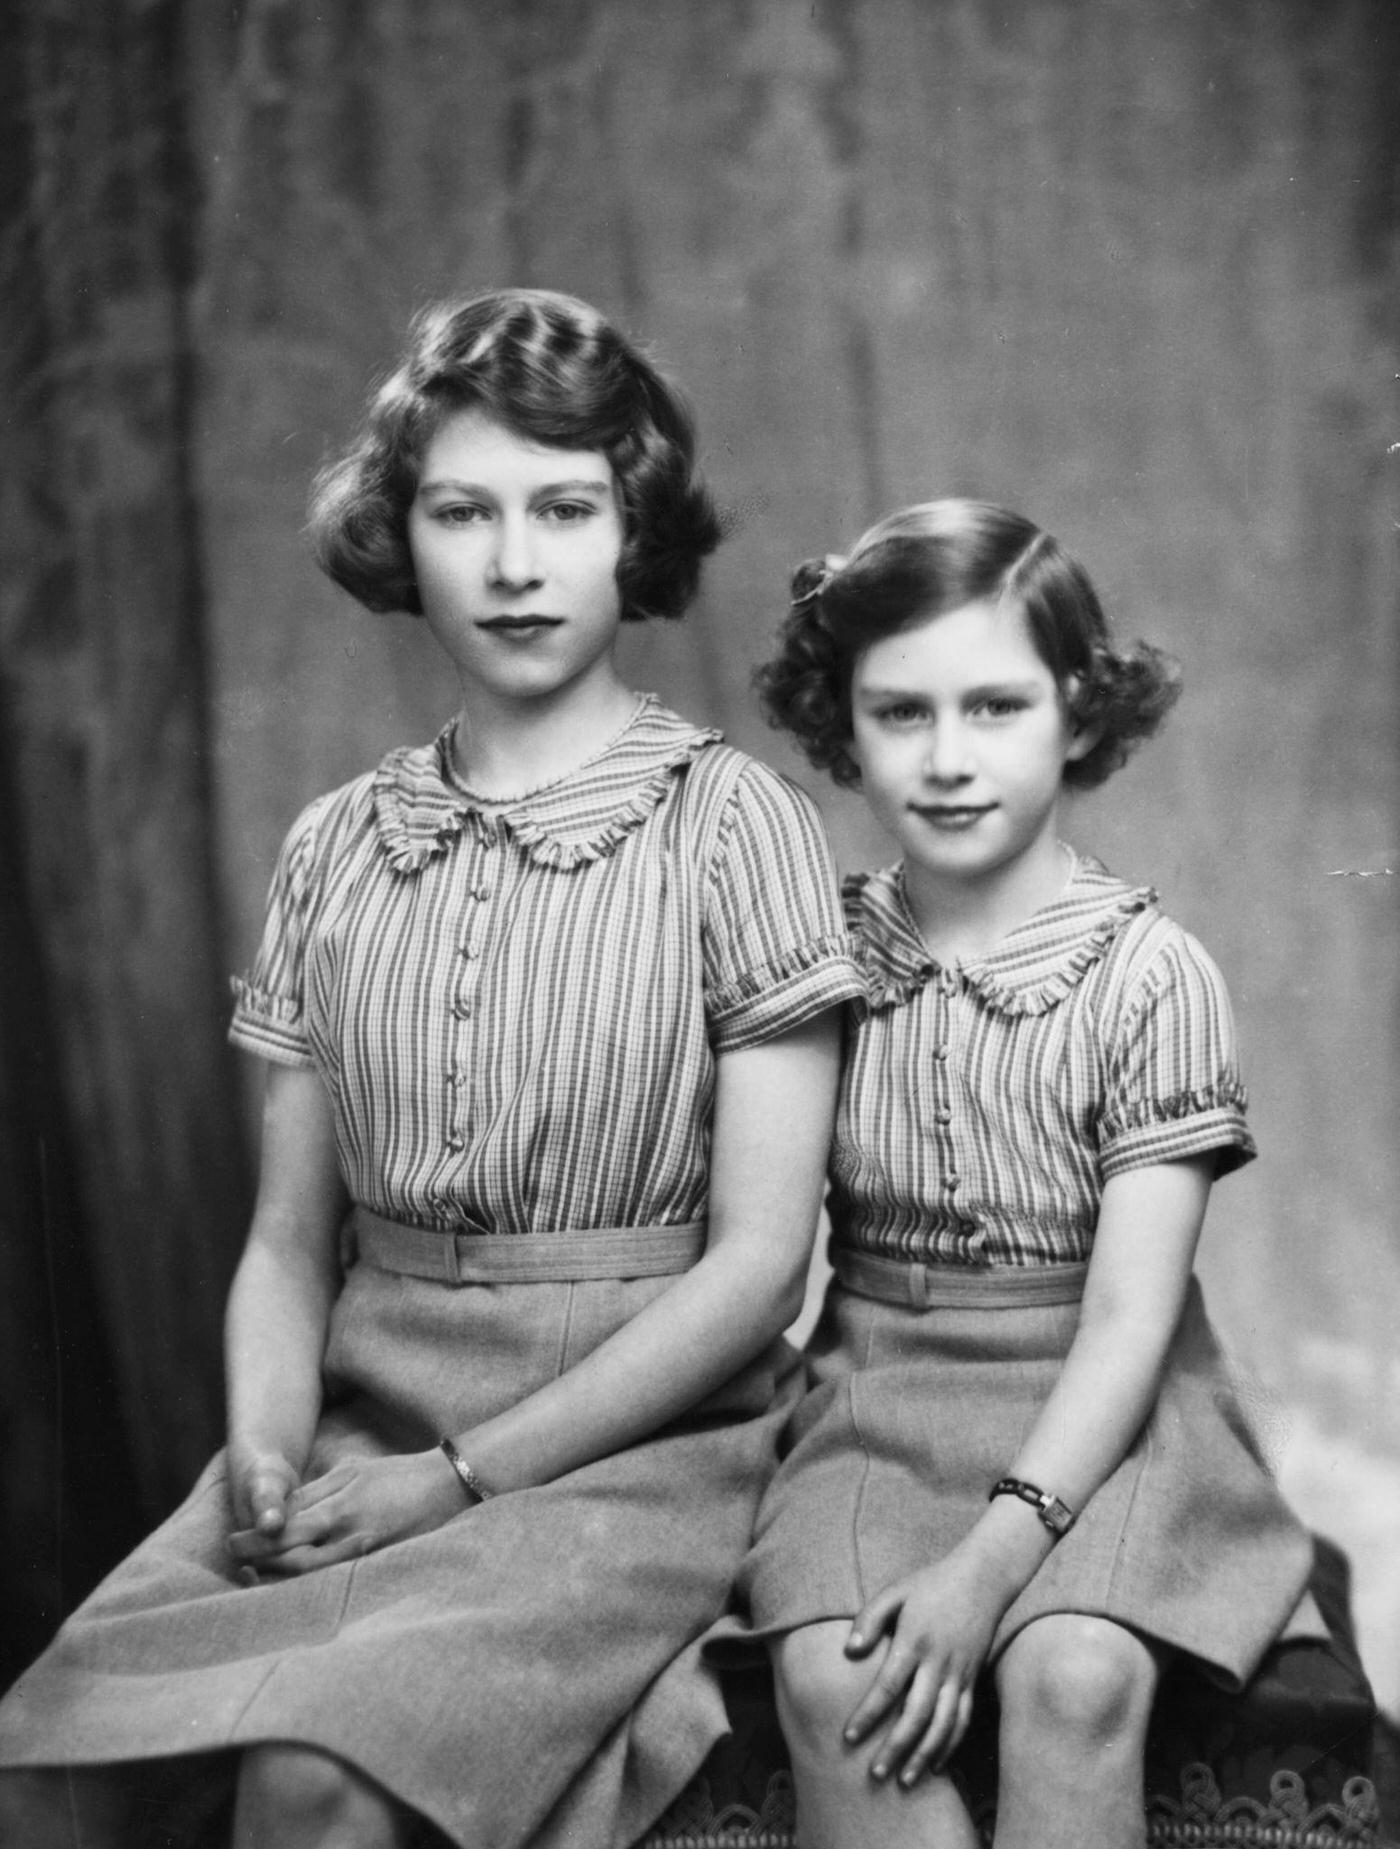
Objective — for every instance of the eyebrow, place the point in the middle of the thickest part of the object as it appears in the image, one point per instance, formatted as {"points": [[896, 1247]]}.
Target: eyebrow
{"points": [[988, 688], [576, 485]]}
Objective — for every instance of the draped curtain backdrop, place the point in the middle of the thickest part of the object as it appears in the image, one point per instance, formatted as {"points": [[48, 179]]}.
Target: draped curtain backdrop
{"points": [[1131, 265]]}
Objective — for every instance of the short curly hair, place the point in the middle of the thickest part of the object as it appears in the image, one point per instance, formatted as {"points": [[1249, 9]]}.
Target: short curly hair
{"points": [[554, 371], [924, 562]]}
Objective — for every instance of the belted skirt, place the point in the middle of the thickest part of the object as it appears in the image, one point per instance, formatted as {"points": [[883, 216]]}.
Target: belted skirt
{"points": [[532, 1671], [925, 1380]]}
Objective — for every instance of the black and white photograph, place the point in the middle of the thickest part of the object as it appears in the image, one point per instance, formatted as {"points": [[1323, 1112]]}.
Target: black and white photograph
{"points": [[700, 887]]}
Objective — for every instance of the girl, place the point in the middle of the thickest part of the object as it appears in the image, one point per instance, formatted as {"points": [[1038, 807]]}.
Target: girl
{"points": [[1019, 1453], [548, 1011]]}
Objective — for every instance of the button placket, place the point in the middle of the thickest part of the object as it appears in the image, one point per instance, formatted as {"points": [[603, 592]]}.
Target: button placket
{"points": [[462, 1008], [946, 987]]}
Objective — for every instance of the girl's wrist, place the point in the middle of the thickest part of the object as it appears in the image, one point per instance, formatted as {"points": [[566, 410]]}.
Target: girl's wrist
{"points": [[469, 1482], [1010, 1545], [246, 1449]]}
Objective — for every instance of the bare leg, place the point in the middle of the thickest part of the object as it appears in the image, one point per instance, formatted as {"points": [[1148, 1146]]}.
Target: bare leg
{"points": [[292, 1797], [1076, 1697], [59, 1808], [839, 1805]]}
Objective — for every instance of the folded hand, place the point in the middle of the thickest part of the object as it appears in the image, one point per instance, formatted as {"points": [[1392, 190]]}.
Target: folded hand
{"points": [[357, 1506]]}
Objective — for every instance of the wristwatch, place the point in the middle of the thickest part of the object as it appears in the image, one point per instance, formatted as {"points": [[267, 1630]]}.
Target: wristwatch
{"points": [[1058, 1516]]}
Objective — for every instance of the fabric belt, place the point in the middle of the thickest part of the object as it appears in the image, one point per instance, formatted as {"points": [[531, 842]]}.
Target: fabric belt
{"points": [[526, 1258], [934, 1287]]}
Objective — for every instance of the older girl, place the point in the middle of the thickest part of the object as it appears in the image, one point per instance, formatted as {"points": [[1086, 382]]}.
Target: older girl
{"points": [[547, 1011], [1020, 1454]]}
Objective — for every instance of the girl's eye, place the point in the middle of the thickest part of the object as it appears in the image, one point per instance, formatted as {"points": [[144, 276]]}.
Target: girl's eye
{"points": [[568, 513], [1001, 706], [901, 713], [459, 513]]}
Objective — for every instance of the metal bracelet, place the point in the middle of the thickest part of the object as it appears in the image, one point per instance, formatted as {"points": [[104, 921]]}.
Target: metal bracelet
{"points": [[470, 1481], [1057, 1516]]}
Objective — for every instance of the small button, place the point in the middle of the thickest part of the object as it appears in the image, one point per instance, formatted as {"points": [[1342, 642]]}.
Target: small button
{"points": [[462, 1009], [482, 892], [456, 1141], [952, 1183], [469, 951], [940, 1053], [943, 1117]]}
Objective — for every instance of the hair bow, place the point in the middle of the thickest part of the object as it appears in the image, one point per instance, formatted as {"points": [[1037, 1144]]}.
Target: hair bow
{"points": [[811, 579]]}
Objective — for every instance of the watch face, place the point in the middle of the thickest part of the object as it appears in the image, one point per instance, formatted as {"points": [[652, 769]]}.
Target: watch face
{"points": [[1057, 1515]]}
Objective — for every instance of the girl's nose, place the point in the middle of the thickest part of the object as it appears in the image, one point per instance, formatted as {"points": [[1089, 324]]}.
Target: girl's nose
{"points": [[948, 757], [514, 564]]}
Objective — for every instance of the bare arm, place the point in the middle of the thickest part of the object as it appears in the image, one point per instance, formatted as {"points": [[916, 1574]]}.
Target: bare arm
{"points": [[773, 1112], [940, 1620], [279, 1306]]}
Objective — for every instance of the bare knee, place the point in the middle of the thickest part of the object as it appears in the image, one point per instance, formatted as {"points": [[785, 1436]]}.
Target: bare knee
{"points": [[817, 1685], [306, 1792], [1081, 1679]]}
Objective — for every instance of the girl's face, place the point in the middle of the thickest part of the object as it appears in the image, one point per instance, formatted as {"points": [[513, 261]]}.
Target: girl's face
{"points": [[962, 738], [515, 547]]}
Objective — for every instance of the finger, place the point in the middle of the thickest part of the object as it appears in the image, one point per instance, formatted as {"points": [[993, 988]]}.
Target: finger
{"points": [[947, 1725], [302, 1529], [962, 1720], [873, 1620], [268, 1491], [319, 1489], [251, 1547], [919, 1707], [884, 1693], [297, 1561]]}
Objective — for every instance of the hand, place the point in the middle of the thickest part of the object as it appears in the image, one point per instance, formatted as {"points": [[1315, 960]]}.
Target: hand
{"points": [[355, 1507], [260, 1483], [939, 1622]]}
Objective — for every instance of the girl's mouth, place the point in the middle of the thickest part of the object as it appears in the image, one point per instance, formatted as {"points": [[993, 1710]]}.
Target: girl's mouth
{"points": [[519, 625], [952, 816]]}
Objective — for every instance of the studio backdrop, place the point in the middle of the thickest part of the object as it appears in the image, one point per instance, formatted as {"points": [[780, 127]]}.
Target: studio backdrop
{"points": [[1131, 268]]}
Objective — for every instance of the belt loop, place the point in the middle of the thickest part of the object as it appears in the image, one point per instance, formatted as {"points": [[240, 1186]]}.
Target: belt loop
{"points": [[451, 1260], [918, 1286]]}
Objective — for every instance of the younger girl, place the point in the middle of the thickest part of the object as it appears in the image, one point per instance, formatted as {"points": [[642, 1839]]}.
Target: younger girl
{"points": [[548, 1005], [1019, 1452]]}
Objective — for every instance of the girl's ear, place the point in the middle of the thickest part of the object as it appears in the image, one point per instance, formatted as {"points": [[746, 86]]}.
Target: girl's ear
{"points": [[1084, 734], [1083, 738]]}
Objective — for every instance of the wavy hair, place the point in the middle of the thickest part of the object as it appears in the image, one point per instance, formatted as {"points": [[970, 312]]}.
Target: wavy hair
{"points": [[931, 559], [553, 371]]}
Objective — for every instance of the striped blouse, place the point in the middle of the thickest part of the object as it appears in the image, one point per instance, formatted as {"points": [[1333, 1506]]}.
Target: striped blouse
{"points": [[984, 1106], [517, 1011]]}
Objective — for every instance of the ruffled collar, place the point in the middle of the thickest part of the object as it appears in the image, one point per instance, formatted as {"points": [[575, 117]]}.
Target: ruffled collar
{"points": [[1033, 968], [420, 809]]}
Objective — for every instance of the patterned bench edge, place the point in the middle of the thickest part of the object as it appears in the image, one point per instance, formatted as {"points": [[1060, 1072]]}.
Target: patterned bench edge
{"points": [[1200, 1818]]}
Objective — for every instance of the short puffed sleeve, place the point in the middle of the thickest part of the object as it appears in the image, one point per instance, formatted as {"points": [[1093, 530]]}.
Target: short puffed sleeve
{"points": [[1174, 1085], [269, 1009], [775, 946]]}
